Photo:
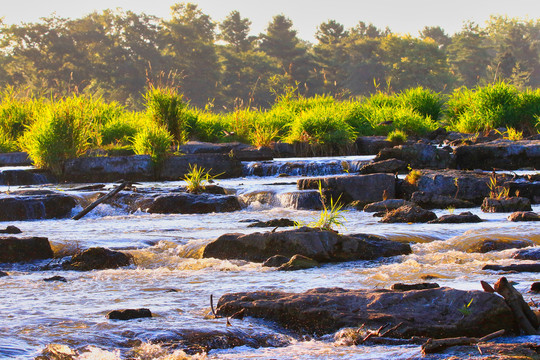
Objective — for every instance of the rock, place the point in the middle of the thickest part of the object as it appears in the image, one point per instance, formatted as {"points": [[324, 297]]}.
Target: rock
{"points": [[276, 261], [535, 287], [487, 245], [260, 197], [409, 287], [2, 274], [176, 167], [10, 229], [15, 159], [464, 217], [26, 177], [97, 258], [524, 216], [386, 205], [128, 314], [282, 150], [529, 189], [109, 168], [300, 200], [298, 262], [273, 223], [514, 267], [30, 207], [527, 254], [409, 214], [56, 278], [491, 351], [511, 204], [419, 156], [385, 166], [57, 352], [363, 188], [431, 313], [14, 249], [241, 152], [371, 145], [320, 245], [435, 201], [215, 189], [499, 154], [186, 203]]}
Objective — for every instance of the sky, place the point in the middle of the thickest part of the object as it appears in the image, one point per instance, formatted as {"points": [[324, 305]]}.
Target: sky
{"points": [[402, 16]]}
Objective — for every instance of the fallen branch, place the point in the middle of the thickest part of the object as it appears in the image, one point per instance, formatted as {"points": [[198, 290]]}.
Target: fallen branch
{"points": [[438, 345], [100, 200], [525, 317], [212, 307]]}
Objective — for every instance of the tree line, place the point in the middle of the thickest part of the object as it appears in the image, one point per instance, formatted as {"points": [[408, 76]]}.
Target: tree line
{"points": [[116, 54]]}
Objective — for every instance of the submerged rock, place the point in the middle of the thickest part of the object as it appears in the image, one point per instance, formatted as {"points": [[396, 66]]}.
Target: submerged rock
{"points": [[273, 223], [409, 214], [320, 245], [527, 254], [464, 217], [298, 262], [524, 216], [98, 258], [14, 249], [30, 206], [512, 204], [431, 312], [186, 203], [128, 314]]}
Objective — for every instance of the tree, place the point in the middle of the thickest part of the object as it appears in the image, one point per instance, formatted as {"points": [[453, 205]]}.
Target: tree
{"points": [[437, 34], [331, 56], [235, 31]]}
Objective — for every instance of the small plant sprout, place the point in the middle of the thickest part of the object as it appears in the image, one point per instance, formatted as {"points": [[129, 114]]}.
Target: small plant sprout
{"points": [[466, 309], [346, 167], [451, 209], [397, 137], [513, 134], [497, 191], [197, 178], [413, 176], [330, 216]]}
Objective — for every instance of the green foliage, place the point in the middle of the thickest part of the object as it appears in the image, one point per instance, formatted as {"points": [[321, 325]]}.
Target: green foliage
{"points": [[413, 176], [424, 101], [197, 179], [330, 216], [153, 140], [118, 131], [58, 134], [397, 136], [497, 191], [466, 309], [17, 111], [165, 106]]}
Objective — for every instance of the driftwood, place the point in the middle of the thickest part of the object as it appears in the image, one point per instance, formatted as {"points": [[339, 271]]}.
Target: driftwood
{"points": [[379, 333], [438, 345], [525, 317], [100, 200]]}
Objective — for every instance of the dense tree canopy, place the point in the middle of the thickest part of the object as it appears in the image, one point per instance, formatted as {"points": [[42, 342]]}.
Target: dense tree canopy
{"points": [[115, 54]]}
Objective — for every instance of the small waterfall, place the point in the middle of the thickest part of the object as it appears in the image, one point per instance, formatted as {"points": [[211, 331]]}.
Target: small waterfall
{"points": [[24, 176], [305, 167], [35, 209]]}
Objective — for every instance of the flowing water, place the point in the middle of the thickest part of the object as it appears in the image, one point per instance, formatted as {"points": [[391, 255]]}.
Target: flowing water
{"points": [[173, 281]]}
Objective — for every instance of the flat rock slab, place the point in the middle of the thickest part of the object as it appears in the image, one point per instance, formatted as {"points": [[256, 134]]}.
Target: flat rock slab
{"points": [[30, 207], [430, 313], [409, 214], [186, 203], [514, 267], [14, 249], [320, 245], [500, 154], [462, 218], [419, 156], [511, 204], [363, 188], [26, 177]]}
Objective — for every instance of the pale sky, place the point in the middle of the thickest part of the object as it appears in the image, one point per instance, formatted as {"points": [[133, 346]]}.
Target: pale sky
{"points": [[402, 16]]}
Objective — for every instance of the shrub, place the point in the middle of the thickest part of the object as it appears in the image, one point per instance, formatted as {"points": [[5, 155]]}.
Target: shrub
{"points": [[118, 131], [153, 140], [165, 106], [397, 136], [413, 176], [57, 134], [17, 112], [424, 101]]}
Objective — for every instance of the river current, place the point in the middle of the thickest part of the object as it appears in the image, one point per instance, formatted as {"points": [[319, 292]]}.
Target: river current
{"points": [[171, 279]]}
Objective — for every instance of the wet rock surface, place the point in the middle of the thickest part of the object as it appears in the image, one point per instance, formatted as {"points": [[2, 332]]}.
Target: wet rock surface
{"points": [[26, 177], [320, 245], [527, 254], [362, 188], [276, 261], [384, 166], [419, 156], [30, 206], [499, 154], [55, 278], [511, 204], [10, 229], [273, 223], [371, 145], [14, 249], [514, 267], [409, 214], [524, 216], [409, 287], [386, 205], [464, 217], [435, 201], [97, 259], [487, 245], [493, 351], [128, 314], [535, 287], [186, 203], [3, 273], [298, 262], [432, 312]]}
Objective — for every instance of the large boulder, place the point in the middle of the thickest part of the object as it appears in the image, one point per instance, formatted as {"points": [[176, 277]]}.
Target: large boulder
{"points": [[109, 168], [320, 245], [511, 204], [31, 205], [499, 154], [529, 189], [98, 258], [461, 218], [431, 313], [419, 156], [524, 216], [409, 214], [14, 249], [362, 188], [384, 166], [186, 203]]}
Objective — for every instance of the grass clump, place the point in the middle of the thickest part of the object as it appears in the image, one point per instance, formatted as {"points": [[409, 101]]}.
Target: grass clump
{"points": [[165, 106], [413, 176], [153, 140], [197, 178], [330, 216], [397, 137], [497, 191]]}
